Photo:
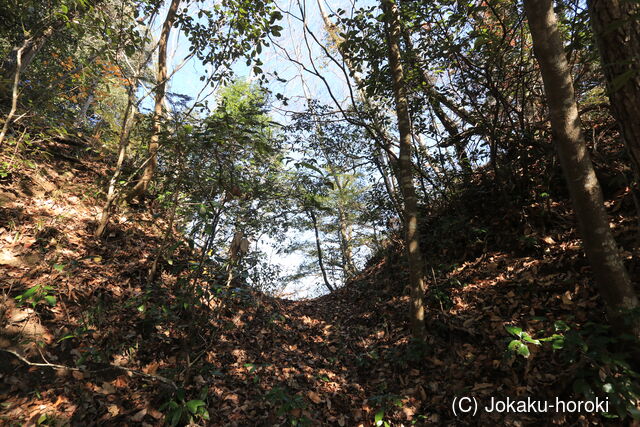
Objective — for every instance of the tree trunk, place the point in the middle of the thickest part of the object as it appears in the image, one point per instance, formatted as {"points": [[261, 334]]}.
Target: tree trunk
{"points": [[142, 185], [377, 131], [602, 251], [617, 33], [112, 193], [345, 244], [405, 172], [379, 160], [436, 100], [21, 56], [14, 97], [82, 119], [30, 46], [314, 221]]}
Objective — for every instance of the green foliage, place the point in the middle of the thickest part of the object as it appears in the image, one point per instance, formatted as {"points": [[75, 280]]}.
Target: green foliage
{"points": [[441, 296], [228, 31], [385, 404], [328, 183], [253, 370], [604, 359], [79, 332], [288, 404], [179, 411], [36, 295], [520, 344]]}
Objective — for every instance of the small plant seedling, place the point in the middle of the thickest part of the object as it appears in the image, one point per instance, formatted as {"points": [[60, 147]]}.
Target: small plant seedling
{"points": [[36, 295], [179, 410]]}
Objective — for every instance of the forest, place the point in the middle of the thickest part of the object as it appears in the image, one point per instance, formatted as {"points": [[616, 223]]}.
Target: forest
{"points": [[319, 212]]}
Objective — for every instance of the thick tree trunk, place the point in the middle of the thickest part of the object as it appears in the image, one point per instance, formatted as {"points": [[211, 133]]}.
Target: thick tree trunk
{"points": [[616, 26], [142, 185], [602, 251], [323, 270], [405, 172]]}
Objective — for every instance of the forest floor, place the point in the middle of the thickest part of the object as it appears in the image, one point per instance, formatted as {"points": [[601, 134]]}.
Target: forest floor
{"points": [[114, 349]]}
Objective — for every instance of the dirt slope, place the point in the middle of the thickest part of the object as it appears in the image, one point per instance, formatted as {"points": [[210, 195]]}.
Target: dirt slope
{"points": [[122, 351]]}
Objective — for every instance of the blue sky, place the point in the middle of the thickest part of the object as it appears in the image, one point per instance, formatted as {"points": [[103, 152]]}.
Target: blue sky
{"points": [[186, 80], [299, 85]]}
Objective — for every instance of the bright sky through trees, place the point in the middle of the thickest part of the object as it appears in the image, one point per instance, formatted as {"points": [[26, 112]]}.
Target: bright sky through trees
{"points": [[298, 87]]}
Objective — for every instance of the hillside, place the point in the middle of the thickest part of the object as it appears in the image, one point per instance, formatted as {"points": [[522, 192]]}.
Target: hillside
{"points": [[457, 183], [100, 344]]}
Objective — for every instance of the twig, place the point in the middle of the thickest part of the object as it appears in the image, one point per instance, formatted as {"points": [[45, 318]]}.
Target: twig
{"points": [[15, 94], [15, 151], [111, 366], [44, 365]]}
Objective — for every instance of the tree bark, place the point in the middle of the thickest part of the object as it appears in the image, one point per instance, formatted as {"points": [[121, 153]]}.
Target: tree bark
{"points": [[378, 131], [323, 270], [405, 172], [345, 244], [14, 97], [112, 193], [82, 119], [143, 183], [610, 274], [31, 45], [617, 33]]}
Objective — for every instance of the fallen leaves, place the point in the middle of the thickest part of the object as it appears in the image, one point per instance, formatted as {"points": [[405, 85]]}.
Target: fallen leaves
{"points": [[139, 416], [314, 397], [106, 388], [332, 356], [151, 368]]}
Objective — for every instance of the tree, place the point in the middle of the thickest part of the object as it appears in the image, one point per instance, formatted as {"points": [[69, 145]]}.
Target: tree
{"points": [[218, 37], [609, 271], [616, 28], [229, 179], [132, 70], [38, 26], [309, 210], [405, 171], [142, 185], [383, 156], [33, 39]]}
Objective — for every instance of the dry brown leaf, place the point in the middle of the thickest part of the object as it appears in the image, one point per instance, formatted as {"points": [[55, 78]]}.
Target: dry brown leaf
{"points": [[151, 368], [481, 386], [155, 413], [121, 382], [437, 362], [107, 388], [313, 396], [138, 416]]}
